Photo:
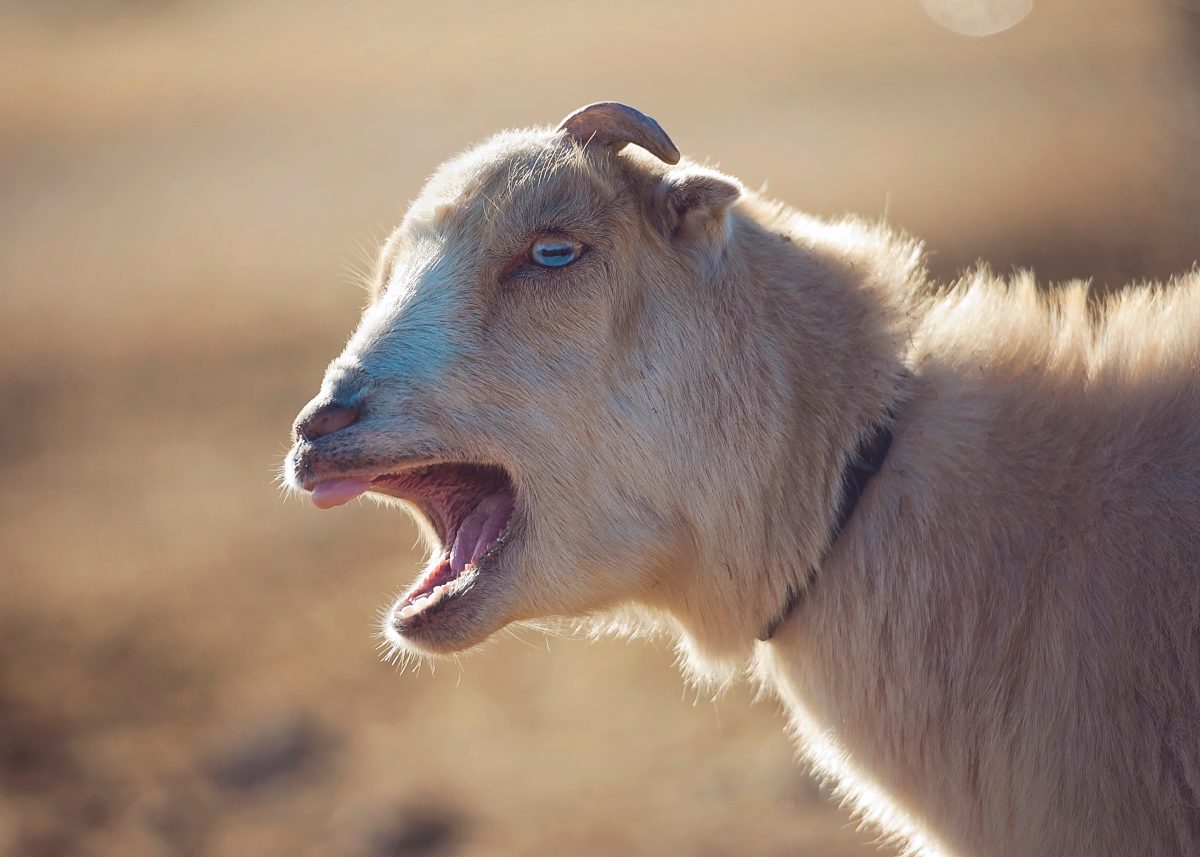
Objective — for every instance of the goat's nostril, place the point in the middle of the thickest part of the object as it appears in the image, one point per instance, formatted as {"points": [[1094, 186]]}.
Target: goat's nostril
{"points": [[327, 419]]}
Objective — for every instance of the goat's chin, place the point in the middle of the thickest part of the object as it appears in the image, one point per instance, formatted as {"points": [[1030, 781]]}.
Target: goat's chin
{"points": [[435, 642]]}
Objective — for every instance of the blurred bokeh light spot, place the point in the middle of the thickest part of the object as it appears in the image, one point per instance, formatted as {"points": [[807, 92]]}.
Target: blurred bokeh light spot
{"points": [[978, 17]]}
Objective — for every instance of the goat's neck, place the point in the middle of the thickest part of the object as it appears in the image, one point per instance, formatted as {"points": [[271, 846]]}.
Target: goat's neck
{"points": [[822, 321], [857, 307]]}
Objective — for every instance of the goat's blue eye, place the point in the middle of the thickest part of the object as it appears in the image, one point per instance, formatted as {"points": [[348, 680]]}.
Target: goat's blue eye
{"points": [[555, 252]]}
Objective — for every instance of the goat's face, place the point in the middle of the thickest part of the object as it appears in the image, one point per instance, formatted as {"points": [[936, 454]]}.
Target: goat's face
{"points": [[517, 382]]}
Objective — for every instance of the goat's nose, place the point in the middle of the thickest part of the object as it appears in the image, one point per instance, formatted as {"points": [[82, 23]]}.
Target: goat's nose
{"points": [[328, 418]]}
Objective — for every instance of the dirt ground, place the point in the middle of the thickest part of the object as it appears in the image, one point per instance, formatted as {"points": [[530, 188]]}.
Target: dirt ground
{"points": [[187, 660]]}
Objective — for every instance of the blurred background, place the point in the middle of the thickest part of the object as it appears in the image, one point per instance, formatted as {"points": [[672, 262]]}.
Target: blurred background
{"points": [[187, 189]]}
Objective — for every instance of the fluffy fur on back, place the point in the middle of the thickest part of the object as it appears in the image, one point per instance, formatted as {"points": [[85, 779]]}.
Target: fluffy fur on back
{"points": [[1001, 654]]}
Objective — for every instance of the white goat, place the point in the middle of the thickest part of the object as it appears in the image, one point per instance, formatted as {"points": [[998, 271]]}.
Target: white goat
{"points": [[607, 382]]}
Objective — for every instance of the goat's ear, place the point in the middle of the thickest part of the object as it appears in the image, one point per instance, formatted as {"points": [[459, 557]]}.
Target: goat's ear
{"points": [[692, 204]]}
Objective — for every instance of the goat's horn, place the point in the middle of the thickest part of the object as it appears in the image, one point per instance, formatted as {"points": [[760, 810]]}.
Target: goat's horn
{"points": [[610, 123]]}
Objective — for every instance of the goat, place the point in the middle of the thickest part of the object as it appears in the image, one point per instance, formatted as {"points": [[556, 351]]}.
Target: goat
{"points": [[956, 529]]}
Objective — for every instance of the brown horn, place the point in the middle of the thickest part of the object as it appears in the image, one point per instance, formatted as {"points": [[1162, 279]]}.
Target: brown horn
{"points": [[610, 123]]}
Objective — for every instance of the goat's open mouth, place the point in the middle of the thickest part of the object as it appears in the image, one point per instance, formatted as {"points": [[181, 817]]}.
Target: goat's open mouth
{"points": [[469, 507]]}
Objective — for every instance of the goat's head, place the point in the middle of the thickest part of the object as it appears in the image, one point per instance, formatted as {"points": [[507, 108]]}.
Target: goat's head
{"points": [[530, 375]]}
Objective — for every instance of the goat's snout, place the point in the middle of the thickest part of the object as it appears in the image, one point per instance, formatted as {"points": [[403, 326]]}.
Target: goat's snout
{"points": [[319, 420]]}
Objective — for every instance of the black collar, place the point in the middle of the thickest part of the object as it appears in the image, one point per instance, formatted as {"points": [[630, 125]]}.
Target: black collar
{"points": [[866, 462]]}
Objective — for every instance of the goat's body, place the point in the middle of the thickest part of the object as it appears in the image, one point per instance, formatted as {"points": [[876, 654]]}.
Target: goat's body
{"points": [[1005, 641]]}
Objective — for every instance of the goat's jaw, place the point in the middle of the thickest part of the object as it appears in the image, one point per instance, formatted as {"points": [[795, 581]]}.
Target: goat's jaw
{"points": [[441, 617], [471, 510], [446, 611]]}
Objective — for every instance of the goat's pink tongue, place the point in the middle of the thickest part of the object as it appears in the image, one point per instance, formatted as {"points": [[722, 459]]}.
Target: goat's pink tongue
{"points": [[338, 491], [499, 509], [480, 528], [464, 541]]}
